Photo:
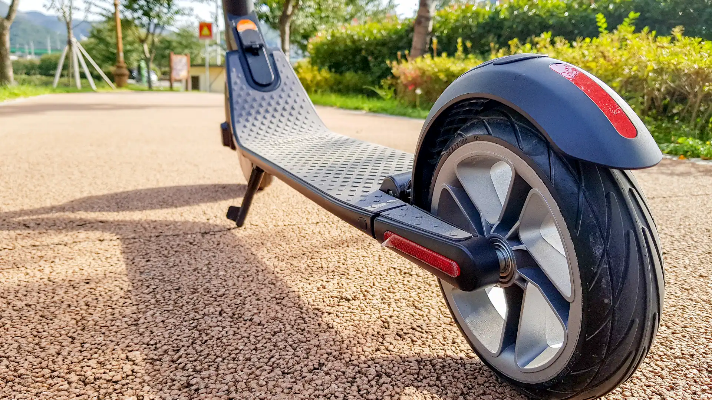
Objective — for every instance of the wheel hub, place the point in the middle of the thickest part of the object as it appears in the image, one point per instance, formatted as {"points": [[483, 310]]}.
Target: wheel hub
{"points": [[507, 266]]}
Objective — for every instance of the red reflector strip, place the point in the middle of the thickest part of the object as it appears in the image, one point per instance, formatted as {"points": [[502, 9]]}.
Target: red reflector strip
{"points": [[598, 95], [423, 254]]}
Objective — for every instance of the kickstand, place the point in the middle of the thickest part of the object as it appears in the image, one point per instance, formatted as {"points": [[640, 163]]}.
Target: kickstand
{"points": [[238, 214]]}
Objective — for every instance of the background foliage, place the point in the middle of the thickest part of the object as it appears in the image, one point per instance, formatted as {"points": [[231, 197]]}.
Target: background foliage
{"points": [[317, 15], [362, 48], [664, 78], [367, 47]]}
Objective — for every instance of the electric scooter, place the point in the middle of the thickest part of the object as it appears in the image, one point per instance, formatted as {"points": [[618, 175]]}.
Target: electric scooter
{"points": [[519, 199]]}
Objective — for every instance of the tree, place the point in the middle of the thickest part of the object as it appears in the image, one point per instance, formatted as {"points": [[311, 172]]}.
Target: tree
{"points": [[101, 44], [182, 41], [299, 20], [150, 18], [6, 75], [422, 29], [65, 9]]}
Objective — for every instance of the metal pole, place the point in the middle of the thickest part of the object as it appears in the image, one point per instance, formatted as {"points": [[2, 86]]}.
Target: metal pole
{"points": [[49, 46], [207, 67], [217, 31]]}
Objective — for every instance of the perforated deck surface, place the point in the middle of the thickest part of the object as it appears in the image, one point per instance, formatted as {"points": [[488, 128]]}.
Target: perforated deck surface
{"points": [[283, 127]]}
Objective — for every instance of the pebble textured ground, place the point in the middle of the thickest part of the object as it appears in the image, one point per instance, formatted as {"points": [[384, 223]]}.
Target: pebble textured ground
{"points": [[120, 278]]}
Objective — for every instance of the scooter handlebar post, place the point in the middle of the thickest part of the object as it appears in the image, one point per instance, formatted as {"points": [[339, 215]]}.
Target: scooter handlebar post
{"points": [[238, 7]]}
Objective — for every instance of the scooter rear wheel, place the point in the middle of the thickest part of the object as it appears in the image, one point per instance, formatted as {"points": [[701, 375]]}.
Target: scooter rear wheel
{"points": [[581, 280]]}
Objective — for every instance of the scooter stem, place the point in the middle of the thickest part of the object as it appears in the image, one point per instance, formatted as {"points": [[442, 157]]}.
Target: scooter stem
{"points": [[238, 8]]}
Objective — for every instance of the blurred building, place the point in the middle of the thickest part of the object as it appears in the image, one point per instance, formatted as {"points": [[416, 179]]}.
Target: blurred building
{"points": [[200, 82]]}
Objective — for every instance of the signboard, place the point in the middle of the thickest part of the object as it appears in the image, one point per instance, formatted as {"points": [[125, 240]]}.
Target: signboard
{"points": [[205, 30], [179, 67]]}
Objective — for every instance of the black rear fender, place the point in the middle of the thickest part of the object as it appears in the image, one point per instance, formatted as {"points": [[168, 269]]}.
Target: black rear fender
{"points": [[605, 132]]}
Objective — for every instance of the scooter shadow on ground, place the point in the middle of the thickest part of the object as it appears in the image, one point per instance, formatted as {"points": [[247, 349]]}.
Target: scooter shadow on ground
{"points": [[200, 313]]}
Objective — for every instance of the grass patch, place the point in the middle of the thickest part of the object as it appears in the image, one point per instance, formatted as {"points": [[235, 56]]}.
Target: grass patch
{"points": [[370, 104], [36, 85]]}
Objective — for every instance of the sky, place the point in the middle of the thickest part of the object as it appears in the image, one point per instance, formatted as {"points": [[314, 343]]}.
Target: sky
{"points": [[202, 12]]}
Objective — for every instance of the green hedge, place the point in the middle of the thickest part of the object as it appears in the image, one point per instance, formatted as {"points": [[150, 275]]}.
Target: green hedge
{"points": [[366, 48], [361, 48], [316, 80], [45, 66]]}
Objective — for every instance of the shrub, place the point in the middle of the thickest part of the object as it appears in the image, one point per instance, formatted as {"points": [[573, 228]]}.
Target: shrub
{"points": [[45, 66], [422, 80], [316, 80], [484, 27], [48, 64], [361, 48], [25, 67], [663, 78], [366, 48], [688, 148]]}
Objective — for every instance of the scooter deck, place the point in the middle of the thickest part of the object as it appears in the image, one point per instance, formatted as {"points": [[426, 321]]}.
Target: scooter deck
{"points": [[281, 132]]}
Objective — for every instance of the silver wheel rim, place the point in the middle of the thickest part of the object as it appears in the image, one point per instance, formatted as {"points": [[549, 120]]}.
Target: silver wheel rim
{"points": [[526, 326]]}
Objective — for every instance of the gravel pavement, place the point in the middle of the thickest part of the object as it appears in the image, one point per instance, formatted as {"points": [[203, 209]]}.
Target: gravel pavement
{"points": [[121, 278]]}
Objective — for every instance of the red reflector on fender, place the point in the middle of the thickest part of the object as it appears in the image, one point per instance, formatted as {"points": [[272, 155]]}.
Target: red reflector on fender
{"points": [[423, 254], [598, 95]]}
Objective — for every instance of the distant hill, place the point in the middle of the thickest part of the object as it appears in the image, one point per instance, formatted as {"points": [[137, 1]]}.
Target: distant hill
{"points": [[36, 27]]}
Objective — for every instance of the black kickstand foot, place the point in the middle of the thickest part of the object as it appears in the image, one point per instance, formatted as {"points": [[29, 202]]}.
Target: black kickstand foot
{"points": [[239, 214]]}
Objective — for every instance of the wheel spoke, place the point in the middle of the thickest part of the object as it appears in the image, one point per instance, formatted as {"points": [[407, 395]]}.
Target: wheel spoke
{"points": [[487, 182], [532, 274], [540, 334], [539, 233], [512, 206], [513, 297], [457, 208], [484, 314]]}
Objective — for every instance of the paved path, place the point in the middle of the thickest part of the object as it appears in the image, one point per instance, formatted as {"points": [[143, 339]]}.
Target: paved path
{"points": [[120, 277]]}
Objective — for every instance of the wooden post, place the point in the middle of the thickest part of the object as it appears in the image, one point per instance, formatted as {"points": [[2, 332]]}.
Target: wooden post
{"points": [[121, 74]]}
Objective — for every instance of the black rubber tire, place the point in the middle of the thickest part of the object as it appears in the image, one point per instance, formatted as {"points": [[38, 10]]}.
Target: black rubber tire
{"points": [[245, 164], [615, 240]]}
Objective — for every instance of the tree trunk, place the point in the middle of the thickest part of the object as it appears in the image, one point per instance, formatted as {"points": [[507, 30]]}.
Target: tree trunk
{"points": [[70, 49], [285, 24], [147, 59], [6, 75], [422, 29]]}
